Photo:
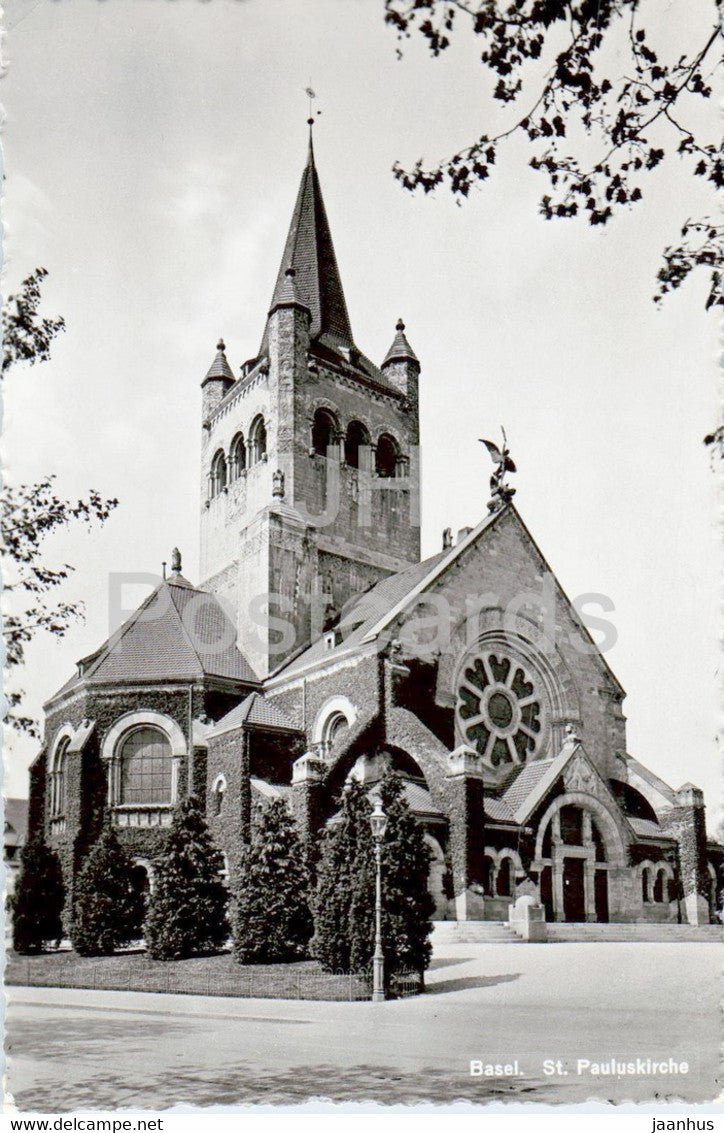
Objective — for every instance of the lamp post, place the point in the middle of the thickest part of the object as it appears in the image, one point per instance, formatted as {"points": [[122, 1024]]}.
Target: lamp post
{"points": [[378, 823]]}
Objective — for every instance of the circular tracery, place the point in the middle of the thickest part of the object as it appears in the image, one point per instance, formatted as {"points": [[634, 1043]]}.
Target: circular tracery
{"points": [[499, 709]]}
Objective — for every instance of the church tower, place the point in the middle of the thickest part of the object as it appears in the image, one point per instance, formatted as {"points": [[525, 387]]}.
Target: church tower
{"points": [[309, 469]]}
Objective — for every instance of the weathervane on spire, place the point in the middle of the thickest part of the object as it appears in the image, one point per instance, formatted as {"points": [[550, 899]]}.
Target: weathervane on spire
{"points": [[501, 492], [311, 95]]}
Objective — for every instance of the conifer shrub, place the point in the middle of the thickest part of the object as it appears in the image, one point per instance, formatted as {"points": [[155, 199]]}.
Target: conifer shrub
{"points": [[344, 899], [107, 906], [37, 904], [187, 909], [272, 922]]}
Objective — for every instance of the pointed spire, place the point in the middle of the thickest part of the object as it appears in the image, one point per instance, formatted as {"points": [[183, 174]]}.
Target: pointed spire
{"points": [[310, 252], [400, 351], [220, 367]]}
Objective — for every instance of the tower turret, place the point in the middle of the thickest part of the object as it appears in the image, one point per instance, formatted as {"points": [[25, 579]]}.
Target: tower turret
{"points": [[218, 381], [401, 368]]}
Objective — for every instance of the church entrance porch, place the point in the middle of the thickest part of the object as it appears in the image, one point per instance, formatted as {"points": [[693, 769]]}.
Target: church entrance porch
{"points": [[580, 863]]}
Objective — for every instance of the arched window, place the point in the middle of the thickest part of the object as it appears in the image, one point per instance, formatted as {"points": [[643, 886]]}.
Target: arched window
{"points": [[237, 456], [488, 875], [506, 878], [659, 885], [257, 440], [219, 474], [357, 436], [58, 783], [334, 727], [324, 431], [387, 455], [645, 886], [146, 767], [218, 796]]}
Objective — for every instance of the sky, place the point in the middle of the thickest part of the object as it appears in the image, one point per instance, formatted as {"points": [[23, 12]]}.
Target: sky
{"points": [[153, 150]]}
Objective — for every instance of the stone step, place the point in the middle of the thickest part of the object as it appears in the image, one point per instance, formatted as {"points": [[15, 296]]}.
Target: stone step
{"points": [[622, 933], [473, 932]]}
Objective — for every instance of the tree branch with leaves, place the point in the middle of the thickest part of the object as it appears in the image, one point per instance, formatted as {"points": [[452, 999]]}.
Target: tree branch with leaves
{"points": [[29, 513], [583, 104]]}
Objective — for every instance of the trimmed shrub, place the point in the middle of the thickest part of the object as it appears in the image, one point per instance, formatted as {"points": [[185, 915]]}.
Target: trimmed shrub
{"points": [[272, 922], [344, 901], [107, 907], [37, 904], [187, 909]]}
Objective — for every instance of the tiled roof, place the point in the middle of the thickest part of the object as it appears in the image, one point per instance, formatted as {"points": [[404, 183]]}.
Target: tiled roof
{"points": [[254, 712], [220, 368], [529, 778], [309, 250], [419, 800], [645, 828], [400, 351], [367, 610], [178, 633], [498, 810]]}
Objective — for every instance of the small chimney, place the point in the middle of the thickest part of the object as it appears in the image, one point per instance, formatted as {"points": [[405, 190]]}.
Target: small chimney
{"points": [[447, 539], [463, 533]]}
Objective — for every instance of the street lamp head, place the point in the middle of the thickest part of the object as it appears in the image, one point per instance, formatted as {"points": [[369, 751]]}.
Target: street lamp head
{"points": [[378, 821]]}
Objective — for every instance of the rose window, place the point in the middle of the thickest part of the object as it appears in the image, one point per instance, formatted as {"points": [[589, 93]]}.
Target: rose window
{"points": [[499, 709]]}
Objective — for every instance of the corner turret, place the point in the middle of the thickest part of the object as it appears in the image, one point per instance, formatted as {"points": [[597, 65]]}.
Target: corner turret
{"points": [[218, 381]]}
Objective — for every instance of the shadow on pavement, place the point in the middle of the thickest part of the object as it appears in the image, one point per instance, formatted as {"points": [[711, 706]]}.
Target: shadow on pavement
{"points": [[450, 963], [470, 981]]}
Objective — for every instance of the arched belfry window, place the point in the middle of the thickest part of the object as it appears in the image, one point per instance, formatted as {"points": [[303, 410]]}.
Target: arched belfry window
{"points": [[219, 473], [146, 767], [257, 440], [58, 779], [324, 431], [357, 437], [388, 454], [237, 456]]}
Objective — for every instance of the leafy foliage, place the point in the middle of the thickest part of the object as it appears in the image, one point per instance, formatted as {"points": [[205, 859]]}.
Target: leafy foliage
{"points": [[565, 58], [272, 922], [26, 336], [37, 904], [344, 905], [187, 910], [107, 908], [31, 512]]}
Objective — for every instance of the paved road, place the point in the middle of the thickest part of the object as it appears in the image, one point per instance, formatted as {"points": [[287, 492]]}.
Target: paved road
{"points": [[498, 1003]]}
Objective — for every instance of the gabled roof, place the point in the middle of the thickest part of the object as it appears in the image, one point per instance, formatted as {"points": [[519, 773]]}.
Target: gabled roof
{"points": [[178, 633], [253, 712], [310, 252]]}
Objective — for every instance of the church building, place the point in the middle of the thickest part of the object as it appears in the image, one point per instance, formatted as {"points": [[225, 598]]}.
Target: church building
{"points": [[318, 647]]}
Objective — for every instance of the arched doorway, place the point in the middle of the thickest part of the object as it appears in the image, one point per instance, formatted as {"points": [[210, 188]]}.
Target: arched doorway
{"points": [[578, 851], [141, 891]]}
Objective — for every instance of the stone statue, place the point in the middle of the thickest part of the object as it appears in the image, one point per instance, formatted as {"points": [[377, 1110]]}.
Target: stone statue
{"points": [[501, 492]]}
